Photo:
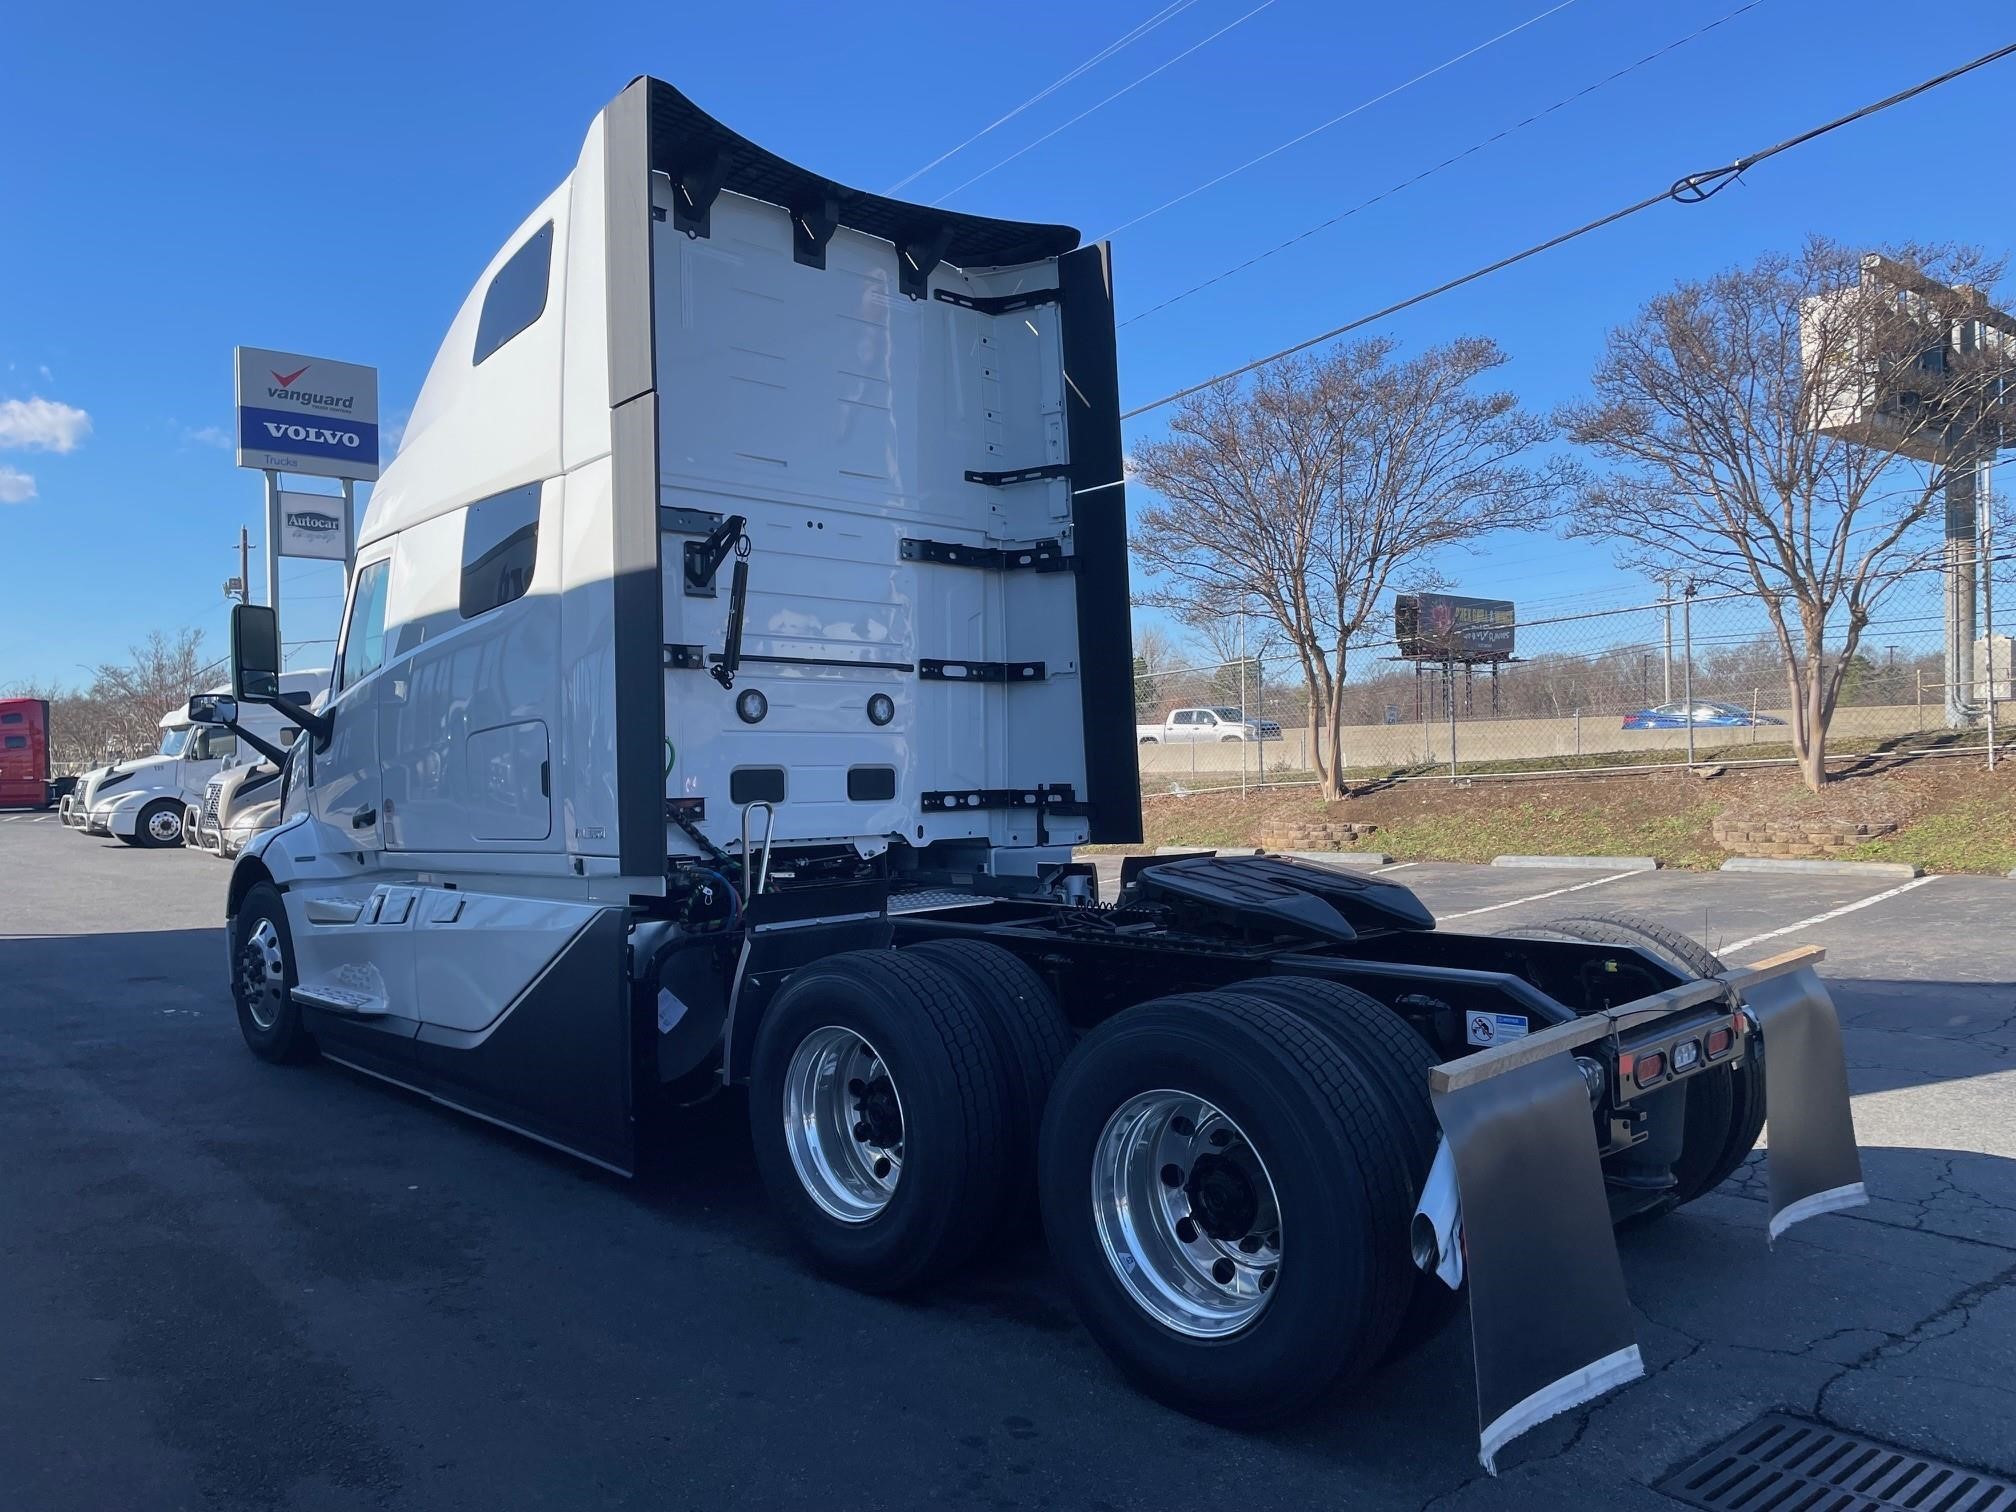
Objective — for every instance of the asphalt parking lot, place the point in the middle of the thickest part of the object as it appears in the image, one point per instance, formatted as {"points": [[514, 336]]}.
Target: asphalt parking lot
{"points": [[229, 1285]]}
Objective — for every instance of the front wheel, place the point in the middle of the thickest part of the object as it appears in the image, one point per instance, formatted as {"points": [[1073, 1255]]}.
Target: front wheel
{"points": [[159, 825], [263, 977]]}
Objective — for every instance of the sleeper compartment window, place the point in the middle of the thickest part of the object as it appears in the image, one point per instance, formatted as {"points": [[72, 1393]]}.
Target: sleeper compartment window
{"points": [[516, 297]]}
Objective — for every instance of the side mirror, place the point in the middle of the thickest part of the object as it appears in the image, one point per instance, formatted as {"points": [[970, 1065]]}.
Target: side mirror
{"points": [[255, 668], [255, 652], [213, 709]]}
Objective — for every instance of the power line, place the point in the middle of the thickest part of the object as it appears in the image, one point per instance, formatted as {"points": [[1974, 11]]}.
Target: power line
{"points": [[1168, 12], [1448, 162], [1693, 189], [1362, 105], [1124, 89]]}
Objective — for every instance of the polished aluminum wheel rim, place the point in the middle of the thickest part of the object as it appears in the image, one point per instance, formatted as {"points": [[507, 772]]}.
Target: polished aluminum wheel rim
{"points": [[1187, 1214], [262, 974], [164, 826], [843, 1124]]}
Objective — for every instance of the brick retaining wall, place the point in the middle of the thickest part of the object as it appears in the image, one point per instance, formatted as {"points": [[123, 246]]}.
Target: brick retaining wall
{"points": [[1794, 838]]}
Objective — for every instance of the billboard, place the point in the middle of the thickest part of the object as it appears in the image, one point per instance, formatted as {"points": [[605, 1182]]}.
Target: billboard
{"points": [[306, 415], [1442, 627], [311, 525]]}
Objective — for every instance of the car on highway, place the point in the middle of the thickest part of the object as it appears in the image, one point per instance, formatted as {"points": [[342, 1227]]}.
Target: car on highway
{"points": [[1700, 714], [1215, 722]]}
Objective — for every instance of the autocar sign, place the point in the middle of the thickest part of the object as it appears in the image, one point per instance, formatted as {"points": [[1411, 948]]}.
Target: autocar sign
{"points": [[311, 525], [308, 415]]}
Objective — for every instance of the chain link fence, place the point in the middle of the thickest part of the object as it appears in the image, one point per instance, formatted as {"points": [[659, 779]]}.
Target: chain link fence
{"points": [[1688, 679]]}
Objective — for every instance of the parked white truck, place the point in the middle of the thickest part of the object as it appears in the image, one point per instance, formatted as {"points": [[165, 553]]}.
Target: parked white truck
{"points": [[723, 685], [145, 802], [1213, 723]]}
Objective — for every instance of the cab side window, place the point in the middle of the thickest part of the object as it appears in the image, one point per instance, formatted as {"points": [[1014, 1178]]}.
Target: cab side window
{"points": [[517, 294], [500, 547], [364, 636]]}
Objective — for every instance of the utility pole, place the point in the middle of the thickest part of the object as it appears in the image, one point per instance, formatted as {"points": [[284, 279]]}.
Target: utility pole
{"points": [[1667, 696]]}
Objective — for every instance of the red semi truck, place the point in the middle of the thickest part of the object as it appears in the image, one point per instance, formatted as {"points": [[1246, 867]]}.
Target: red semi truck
{"points": [[24, 755]]}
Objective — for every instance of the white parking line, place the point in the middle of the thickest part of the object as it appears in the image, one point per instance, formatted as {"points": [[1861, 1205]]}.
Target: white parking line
{"points": [[1822, 918], [1396, 866], [1536, 897]]}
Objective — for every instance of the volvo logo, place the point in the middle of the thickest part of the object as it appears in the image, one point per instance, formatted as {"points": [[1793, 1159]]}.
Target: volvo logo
{"points": [[282, 431]]}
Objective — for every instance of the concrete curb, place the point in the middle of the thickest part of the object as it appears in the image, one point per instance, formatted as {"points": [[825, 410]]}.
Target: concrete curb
{"points": [[1341, 858], [1191, 850], [1874, 870], [1586, 863]]}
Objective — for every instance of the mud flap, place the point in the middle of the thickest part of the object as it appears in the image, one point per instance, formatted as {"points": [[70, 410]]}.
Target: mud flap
{"points": [[1812, 1162], [1550, 1323]]}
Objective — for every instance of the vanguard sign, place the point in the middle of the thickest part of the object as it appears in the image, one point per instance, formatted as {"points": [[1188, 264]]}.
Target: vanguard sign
{"points": [[307, 415]]}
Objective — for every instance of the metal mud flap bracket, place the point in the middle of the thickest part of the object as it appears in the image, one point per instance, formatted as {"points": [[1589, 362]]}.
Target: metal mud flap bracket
{"points": [[1528, 1223]]}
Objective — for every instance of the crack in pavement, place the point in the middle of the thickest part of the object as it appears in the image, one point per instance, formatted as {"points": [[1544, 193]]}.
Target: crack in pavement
{"points": [[1962, 1305]]}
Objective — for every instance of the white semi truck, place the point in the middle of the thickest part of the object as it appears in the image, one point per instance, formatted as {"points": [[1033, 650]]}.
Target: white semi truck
{"points": [[145, 802], [725, 680]]}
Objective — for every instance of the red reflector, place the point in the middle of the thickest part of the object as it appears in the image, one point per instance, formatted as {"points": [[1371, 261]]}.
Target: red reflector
{"points": [[1719, 1041], [1649, 1068]]}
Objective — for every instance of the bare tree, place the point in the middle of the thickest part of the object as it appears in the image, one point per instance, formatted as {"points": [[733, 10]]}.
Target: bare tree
{"points": [[1310, 495], [162, 671], [1723, 407]]}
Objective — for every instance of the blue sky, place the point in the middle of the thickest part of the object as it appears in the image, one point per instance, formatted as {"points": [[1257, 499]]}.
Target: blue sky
{"points": [[182, 179]]}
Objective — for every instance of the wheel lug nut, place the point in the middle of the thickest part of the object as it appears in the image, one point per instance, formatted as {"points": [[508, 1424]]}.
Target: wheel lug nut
{"points": [[1186, 1230], [1172, 1175], [1250, 1245], [882, 1166], [1222, 1272], [1181, 1127], [1266, 1280], [861, 1132]]}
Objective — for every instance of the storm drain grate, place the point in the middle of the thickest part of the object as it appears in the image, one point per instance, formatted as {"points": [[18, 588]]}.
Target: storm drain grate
{"points": [[1779, 1464]]}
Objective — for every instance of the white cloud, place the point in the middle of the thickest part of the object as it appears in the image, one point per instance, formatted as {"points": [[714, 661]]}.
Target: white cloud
{"points": [[47, 376], [391, 431], [42, 425], [209, 435], [15, 487]]}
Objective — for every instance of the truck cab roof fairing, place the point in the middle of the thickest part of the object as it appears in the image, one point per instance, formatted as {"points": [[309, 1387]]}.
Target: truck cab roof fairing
{"points": [[702, 157]]}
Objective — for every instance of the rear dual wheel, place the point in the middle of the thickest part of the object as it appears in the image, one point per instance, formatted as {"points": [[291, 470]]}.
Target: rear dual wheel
{"points": [[1240, 1247], [894, 1099]]}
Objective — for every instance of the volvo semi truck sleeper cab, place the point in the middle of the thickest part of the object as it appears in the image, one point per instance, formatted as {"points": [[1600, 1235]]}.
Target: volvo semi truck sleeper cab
{"points": [[734, 655]]}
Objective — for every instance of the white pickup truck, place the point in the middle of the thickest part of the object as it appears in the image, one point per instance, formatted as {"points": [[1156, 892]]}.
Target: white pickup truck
{"points": [[1214, 723]]}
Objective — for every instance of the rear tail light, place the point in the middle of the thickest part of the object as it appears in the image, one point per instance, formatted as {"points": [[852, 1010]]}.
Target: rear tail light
{"points": [[1647, 1069], [1719, 1042]]}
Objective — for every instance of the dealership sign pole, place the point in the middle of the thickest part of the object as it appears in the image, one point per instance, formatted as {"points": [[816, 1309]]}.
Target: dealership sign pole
{"points": [[309, 416]]}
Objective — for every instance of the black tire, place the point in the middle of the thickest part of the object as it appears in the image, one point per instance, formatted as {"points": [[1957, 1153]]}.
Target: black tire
{"points": [[942, 1060], [1337, 1165], [284, 1040], [1148, 740], [143, 826], [1033, 1038], [1725, 1110], [1384, 1045]]}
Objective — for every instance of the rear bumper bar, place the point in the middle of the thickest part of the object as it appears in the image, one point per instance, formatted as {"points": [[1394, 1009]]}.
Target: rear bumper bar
{"points": [[1550, 1320]]}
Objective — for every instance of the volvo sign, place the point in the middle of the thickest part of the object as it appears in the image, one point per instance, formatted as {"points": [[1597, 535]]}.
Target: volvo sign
{"points": [[307, 415]]}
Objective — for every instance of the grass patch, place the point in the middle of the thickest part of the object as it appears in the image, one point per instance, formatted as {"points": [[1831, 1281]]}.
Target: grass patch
{"points": [[1678, 838], [1974, 835]]}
